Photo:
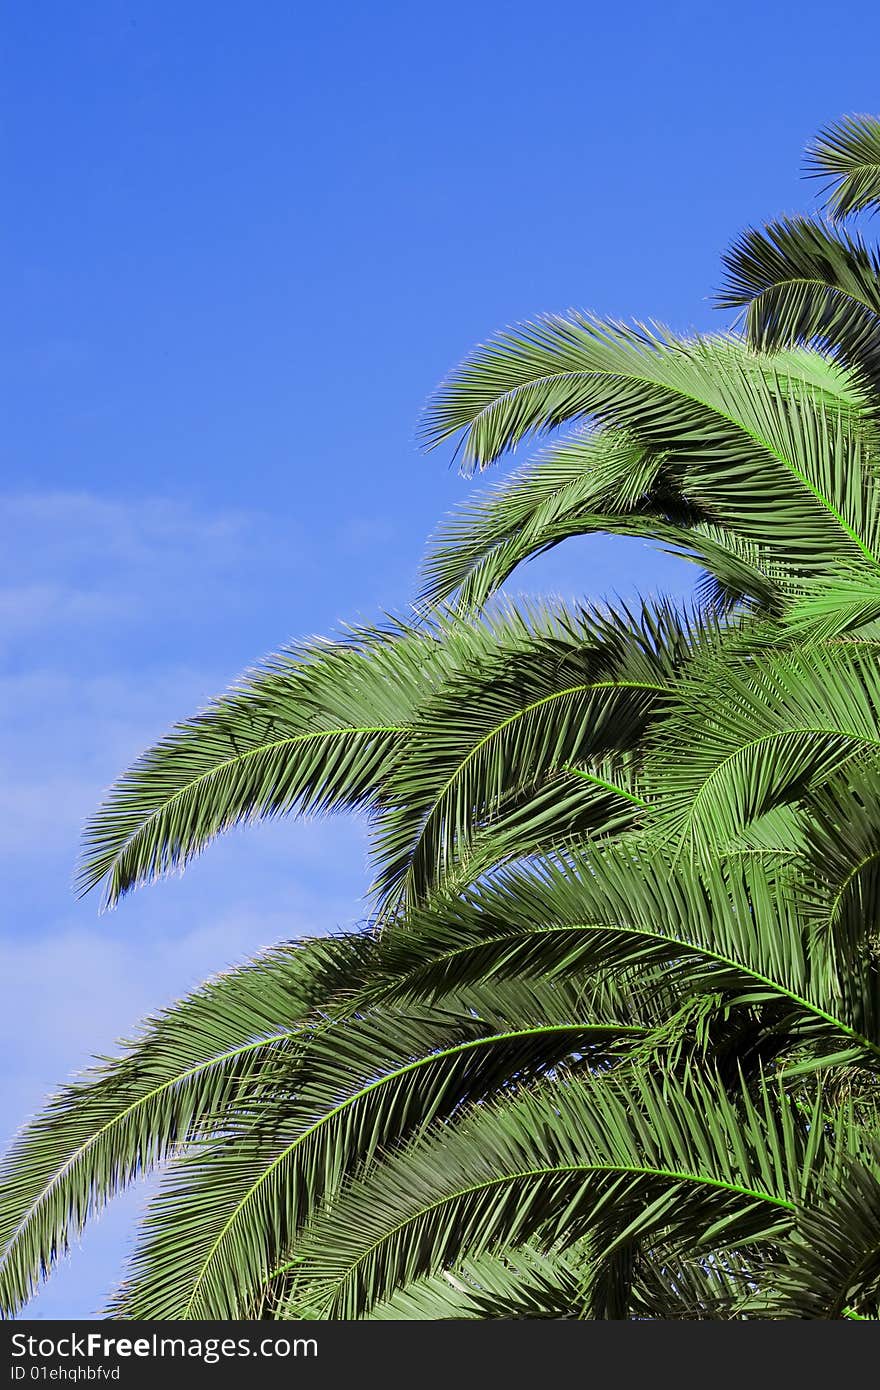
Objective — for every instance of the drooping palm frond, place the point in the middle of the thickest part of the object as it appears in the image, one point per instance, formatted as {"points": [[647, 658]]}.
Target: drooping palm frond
{"points": [[525, 510], [742, 932], [659, 389], [647, 1158], [778, 450], [846, 156], [775, 725], [578, 703], [316, 729], [191, 1065], [230, 1210], [600, 482], [803, 282]]}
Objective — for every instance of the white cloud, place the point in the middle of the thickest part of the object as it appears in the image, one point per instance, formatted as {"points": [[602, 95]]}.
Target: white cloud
{"points": [[29, 606], [82, 561], [76, 523], [363, 534]]}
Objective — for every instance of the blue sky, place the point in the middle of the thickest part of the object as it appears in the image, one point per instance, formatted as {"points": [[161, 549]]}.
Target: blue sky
{"points": [[242, 243]]}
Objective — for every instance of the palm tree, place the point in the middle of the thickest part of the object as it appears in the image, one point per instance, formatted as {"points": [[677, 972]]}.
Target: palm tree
{"points": [[608, 1045]]}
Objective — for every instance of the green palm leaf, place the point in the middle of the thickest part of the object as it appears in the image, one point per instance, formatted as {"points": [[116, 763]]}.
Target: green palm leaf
{"points": [[684, 1160], [742, 930], [526, 1282], [829, 1262], [757, 443], [192, 1064], [777, 726], [579, 702], [599, 483], [316, 729], [227, 1215], [846, 155], [802, 282]]}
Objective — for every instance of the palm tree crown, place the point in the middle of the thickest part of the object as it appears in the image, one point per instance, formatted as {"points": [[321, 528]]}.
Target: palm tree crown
{"points": [[609, 1044]]}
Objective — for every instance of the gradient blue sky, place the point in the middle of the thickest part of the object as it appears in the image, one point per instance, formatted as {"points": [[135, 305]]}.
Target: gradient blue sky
{"points": [[242, 242]]}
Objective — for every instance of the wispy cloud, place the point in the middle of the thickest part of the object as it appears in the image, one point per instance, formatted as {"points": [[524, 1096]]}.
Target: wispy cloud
{"points": [[81, 520], [83, 561], [363, 534], [28, 607]]}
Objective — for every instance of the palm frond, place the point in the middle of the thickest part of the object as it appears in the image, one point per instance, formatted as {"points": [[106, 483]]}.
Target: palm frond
{"points": [[192, 1064], [678, 1158], [525, 1282], [772, 727], [840, 605], [578, 703], [229, 1212], [315, 729], [846, 155], [600, 483], [741, 929], [828, 1265], [803, 282], [774, 448]]}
